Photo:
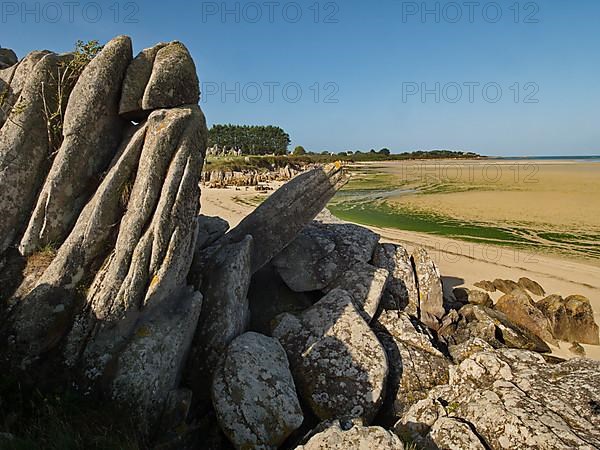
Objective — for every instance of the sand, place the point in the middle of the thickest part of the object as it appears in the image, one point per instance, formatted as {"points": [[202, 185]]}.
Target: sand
{"points": [[461, 263]]}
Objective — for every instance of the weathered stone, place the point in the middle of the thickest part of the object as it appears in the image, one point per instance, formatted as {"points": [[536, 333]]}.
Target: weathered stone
{"points": [[401, 291], [480, 298], [254, 394], [278, 220], [155, 241], [25, 155], [429, 285], [92, 132], [571, 319], [269, 297], [210, 230], [338, 364], [461, 294], [511, 334], [416, 365], [357, 437], [506, 286], [365, 284], [225, 313], [531, 286], [135, 83], [465, 350], [323, 252], [577, 349], [150, 365], [519, 308], [452, 434], [36, 315], [486, 286], [174, 81], [512, 399], [8, 58]]}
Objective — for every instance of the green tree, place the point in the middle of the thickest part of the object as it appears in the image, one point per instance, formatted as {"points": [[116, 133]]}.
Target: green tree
{"points": [[385, 151], [299, 151]]}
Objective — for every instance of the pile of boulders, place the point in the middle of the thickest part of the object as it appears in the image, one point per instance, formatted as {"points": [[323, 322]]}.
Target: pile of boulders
{"points": [[291, 330], [221, 179]]}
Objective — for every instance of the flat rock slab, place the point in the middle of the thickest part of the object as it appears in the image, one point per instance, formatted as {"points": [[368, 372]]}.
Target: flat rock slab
{"points": [[339, 365], [254, 394]]}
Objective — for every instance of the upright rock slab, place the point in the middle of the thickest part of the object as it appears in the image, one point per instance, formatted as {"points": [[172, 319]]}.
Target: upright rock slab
{"points": [[92, 132], [401, 292], [254, 394], [225, 313], [429, 284], [338, 364], [323, 252], [277, 221]]}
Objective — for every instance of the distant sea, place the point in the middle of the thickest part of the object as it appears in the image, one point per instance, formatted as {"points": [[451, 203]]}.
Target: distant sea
{"points": [[548, 158]]}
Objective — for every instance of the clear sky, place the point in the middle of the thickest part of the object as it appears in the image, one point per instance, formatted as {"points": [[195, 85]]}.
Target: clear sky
{"points": [[498, 78]]}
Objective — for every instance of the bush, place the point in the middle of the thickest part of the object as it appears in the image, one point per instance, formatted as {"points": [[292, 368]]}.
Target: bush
{"points": [[299, 151]]}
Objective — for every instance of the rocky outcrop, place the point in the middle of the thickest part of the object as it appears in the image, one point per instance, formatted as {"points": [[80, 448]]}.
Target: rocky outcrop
{"points": [[254, 394], [323, 252], [571, 319], [163, 76], [92, 132], [365, 284], [225, 314], [401, 291], [429, 285], [338, 364], [520, 309], [510, 399], [357, 437], [220, 179], [277, 221]]}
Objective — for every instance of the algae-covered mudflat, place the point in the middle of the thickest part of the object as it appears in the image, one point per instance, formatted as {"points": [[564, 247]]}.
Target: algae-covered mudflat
{"points": [[546, 205]]}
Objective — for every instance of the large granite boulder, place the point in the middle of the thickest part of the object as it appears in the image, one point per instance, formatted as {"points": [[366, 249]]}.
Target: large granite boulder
{"points": [[571, 319], [366, 284], [520, 309], [254, 394], [163, 76], [357, 437], [92, 133], [510, 399], [278, 220], [401, 291], [339, 366], [429, 284], [323, 252], [416, 366], [225, 314]]}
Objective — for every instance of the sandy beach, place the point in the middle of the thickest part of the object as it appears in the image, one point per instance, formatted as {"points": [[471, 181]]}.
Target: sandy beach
{"points": [[461, 263]]}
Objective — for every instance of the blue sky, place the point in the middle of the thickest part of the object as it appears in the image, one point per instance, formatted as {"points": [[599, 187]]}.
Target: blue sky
{"points": [[362, 66]]}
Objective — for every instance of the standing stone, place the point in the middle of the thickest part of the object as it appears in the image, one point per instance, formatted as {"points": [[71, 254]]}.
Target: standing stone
{"points": [[92, 132], [25, 155], [323, 252], [254, 394], [366, 285], [225, 313], [429, 283], [357, 437], [401, 291], [339, 365], [277, 221]]}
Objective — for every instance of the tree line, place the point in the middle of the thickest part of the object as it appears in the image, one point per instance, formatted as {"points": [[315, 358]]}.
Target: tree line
{"points": [[251, 140]]}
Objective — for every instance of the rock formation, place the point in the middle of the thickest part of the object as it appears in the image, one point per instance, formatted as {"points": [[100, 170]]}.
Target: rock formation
{"points": [[291, 330]]}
